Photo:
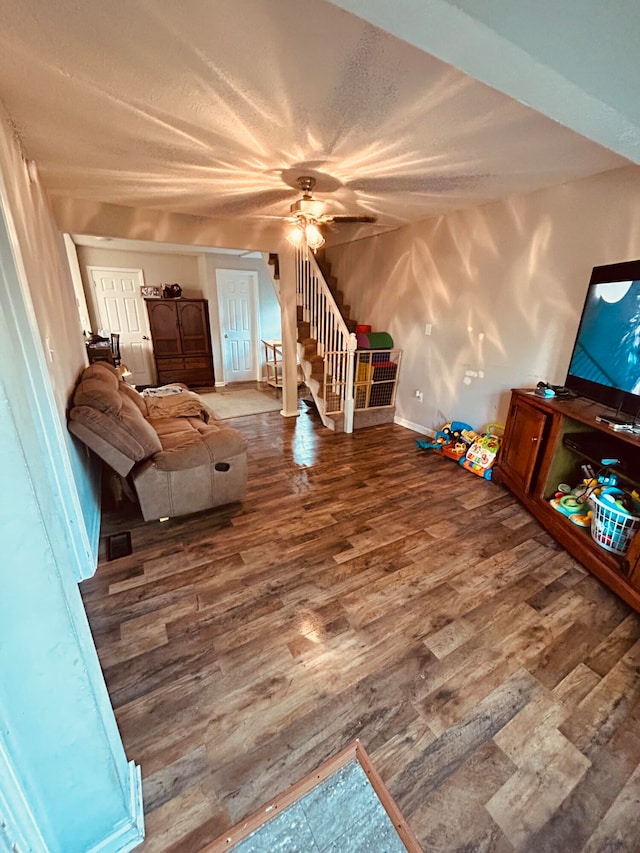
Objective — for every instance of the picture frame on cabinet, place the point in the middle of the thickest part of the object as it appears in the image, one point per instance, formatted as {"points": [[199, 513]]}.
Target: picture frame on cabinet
{"points": [[150, 292]]}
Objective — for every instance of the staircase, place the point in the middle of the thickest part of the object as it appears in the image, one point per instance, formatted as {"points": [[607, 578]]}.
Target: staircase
{"points": [[327, 348]]}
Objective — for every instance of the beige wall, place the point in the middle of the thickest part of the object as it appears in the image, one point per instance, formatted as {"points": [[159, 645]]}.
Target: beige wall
{"points": [[158, 268], [502, 285], [40, 255], [78, 216], [43, 355]]}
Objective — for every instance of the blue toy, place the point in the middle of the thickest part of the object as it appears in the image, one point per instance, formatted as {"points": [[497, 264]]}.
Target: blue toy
{"points": [[453, 431], [449, 434], [424, 444]]}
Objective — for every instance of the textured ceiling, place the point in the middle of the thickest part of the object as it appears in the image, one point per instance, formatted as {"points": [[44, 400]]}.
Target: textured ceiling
{"points": [[214, 108]]}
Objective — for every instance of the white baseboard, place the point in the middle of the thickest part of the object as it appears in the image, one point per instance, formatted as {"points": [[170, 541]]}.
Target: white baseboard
{"points": [[415, 427], [129, 833]]}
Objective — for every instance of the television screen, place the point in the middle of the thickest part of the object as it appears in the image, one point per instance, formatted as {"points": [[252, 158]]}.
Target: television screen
{"points": [[605, 364]]}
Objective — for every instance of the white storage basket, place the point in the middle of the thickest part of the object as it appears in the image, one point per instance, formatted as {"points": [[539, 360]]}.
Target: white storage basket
{"points": [[611, 528]]}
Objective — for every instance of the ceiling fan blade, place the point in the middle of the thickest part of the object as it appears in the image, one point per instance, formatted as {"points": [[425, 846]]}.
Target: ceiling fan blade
{"points": [[347, 218], [276, 217]]}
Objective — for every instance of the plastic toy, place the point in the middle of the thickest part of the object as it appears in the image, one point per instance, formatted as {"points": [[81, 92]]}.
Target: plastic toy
{"points": [[482, 453], [601, 490], [456, 450], [574, 506], [427, 444], [616, 518], [453, 431], [460, 442], [447, 437]]}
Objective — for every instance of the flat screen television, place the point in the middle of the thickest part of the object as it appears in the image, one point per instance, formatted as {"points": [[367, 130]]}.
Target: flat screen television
{"points": [[605, 364]]}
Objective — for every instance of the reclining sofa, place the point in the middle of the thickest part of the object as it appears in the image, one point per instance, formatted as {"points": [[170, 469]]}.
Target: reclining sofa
{"points": [[176, 463]]}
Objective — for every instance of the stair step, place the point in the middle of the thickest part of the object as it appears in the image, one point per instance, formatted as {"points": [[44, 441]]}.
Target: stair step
{"points": [[309, 348], [316, 387], [304, 331], [363, 418], [313, 365], [338, 295]]}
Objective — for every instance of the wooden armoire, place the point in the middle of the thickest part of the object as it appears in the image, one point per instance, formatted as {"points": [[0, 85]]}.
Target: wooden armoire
{"points": [[181, 341]]}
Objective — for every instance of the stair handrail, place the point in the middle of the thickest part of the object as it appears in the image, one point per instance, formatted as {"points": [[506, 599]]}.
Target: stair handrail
{"points": [[328, 328]]}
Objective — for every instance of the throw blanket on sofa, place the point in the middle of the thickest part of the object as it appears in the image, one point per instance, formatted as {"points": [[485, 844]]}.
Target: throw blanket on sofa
{"points": [[181, 403], [165, 390]]}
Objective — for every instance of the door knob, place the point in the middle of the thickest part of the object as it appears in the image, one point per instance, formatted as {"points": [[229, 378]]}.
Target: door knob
{"points": [[145, 337], [226, 336]]}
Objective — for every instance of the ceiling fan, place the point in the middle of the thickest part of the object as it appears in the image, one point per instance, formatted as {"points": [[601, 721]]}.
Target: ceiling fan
{"points": [[308, 215]]}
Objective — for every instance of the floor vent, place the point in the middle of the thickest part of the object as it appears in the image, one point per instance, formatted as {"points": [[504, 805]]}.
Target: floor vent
{"points": [[119, 545]]}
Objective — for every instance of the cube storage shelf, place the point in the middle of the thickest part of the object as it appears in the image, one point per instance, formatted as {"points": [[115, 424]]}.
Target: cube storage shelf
{"points": [[375, 381]]}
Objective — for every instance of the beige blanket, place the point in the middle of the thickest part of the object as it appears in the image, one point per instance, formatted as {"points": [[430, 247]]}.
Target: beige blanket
{"points": [[184, 405]]}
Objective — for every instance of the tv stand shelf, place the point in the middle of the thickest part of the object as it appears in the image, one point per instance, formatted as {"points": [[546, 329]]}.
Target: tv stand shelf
{"points": [[546, 441]]}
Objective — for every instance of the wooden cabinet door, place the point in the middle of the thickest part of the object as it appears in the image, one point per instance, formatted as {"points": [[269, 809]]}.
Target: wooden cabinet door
{"points": [[631, 562], [165, 331], [194, 327], [522, 444]]}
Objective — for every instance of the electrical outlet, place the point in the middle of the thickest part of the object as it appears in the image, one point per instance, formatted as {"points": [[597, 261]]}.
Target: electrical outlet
{"points": [[419, 396]]}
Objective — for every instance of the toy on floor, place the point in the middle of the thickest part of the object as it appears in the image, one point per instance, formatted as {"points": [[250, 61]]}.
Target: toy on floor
{"points": [[456, 436], [481, 456], [452, 440], [473, 451]]}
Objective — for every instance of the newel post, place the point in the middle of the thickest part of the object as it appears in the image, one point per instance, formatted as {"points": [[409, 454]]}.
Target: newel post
{"points": [[288, 313], [352, 345]]}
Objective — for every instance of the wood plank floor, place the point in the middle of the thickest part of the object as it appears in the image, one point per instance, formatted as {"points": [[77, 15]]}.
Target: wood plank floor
{"points": [[367, 589]]}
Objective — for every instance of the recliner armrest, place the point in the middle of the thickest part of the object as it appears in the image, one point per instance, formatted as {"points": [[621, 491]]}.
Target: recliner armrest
{"points": [[117, 460]]}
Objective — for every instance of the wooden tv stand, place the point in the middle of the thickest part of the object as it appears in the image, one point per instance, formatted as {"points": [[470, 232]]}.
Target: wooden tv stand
{"points": [[537, 455]]}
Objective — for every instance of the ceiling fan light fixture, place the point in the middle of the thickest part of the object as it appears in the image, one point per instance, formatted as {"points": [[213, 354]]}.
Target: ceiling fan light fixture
{"points": [[296, 235], [313, 236], [308, 215], [306, 232]]}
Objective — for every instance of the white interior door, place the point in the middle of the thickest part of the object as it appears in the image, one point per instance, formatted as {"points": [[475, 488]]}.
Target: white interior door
{"points": [[122, 311], [237, 302]]}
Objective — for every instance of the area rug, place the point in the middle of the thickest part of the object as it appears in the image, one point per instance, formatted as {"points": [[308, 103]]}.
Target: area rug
{"points": [[343, 807], [236, 404]]}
